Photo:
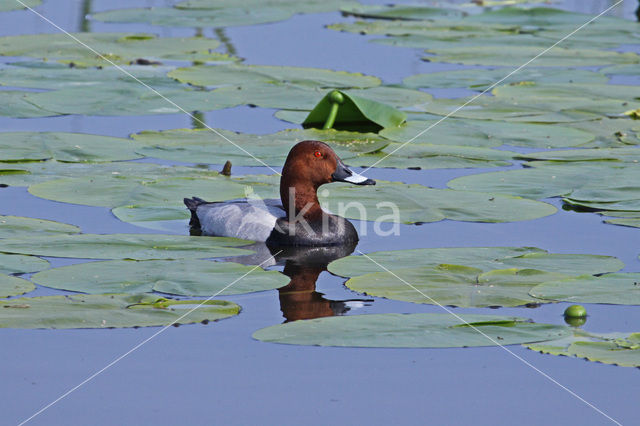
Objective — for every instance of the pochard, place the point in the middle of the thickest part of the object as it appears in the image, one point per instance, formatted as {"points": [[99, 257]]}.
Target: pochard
{"points": [[297, 218]]}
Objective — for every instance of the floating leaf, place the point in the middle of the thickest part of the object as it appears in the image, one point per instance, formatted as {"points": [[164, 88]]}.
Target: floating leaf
{"points": [[6, 5], [618, 289], [632, 222], [342, 110], [13, 286], [240, 74], [480, 79], [160, 218], [410, 331], [185, 277], [400, 11], [628, 69], [14, 103], [18, 264], [68, 147], [399, 202], [125, 246], [487, 134], [120, 48], [16, 226], [615, 348], [627, 155], [108, 311], [454, 285], [203, 146]]}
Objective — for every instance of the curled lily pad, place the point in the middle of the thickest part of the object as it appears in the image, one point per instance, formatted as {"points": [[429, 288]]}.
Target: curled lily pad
{"points": [[240, 74], [454, 285], [16, 226], [203, 146], [342, 110], [120, 48], [109, 311], [13, 286], [125, 246], [185, 277], [67, 147], [410, 331], [398, 202], [7, 5], [480, 79], [618, 289], [483, 133], [18, 264], [615, 348]]}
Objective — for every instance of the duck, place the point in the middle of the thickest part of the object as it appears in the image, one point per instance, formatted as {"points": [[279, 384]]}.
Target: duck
{"points": [[297, 219]]}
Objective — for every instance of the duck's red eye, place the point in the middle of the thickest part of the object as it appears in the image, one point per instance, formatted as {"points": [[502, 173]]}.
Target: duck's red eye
{"points": [[318, 154]]}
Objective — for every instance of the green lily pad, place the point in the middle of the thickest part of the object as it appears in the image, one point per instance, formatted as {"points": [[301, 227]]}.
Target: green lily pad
{"points": [[185, 277], [617, 289], [631, 222], [202, 146], [410, 331], [119, 190], [16, 226], [13, 286], [627, 155], [15, 103], [616, 348], [120, 48], [480, 79], [628, 69], [18, 264], [109, 311], [160, 218], [352, 113], [493, 108], [454, 285], [125, 246], [545, 17], [400, 11], [610, 132], [484, 258], [67, 147], [482, 133], [514, 55], [417, 203], [240, 74], [7, 5]]}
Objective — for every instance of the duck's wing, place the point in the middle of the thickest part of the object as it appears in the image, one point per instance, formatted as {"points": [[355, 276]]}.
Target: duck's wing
{"points": [[248, 220]]}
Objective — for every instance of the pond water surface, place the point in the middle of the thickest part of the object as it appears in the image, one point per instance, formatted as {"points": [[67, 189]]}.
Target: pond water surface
{"points": [[217, 374]]}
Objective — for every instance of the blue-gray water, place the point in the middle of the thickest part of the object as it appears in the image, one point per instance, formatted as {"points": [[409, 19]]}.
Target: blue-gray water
{"points": [[216, 374]]}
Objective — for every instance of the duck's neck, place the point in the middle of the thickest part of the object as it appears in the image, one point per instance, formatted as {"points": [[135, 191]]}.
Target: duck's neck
{"points": [[300, 198]]}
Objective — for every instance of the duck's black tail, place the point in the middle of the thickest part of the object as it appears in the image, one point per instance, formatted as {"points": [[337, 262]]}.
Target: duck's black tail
{"points": [[192, 204]]}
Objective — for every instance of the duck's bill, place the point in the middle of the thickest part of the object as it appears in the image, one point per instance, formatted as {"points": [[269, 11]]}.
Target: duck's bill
{"points": [[343, 174]]}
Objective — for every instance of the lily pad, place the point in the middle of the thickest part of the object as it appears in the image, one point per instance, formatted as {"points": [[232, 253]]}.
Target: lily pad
{"points": [[120, 48], [160, 218], [617, 289], [13, 286], [185, 277], [615, 348], [67, 147], [410, 331], [631, 222], [119, 190], [14, 103], [202, 146], [513, 55], [7, 5], [628, 69], [16, 226], [454, 285], [482, 133], [480, 79], [400, 11], [125, 246], [18, 264], [627, 155], [484, 258], [389, 202], [109, 311], [545, 17], [239, 74]]}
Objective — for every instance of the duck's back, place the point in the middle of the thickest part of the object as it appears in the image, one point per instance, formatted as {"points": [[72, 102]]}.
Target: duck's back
{"points": [[249, 220]]}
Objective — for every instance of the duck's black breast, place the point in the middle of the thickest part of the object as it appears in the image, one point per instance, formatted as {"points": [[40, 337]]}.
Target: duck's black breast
{"points": [[330, 230]]}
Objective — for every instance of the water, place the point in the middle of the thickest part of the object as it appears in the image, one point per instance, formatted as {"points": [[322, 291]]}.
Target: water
{"points": [[216, 374]]}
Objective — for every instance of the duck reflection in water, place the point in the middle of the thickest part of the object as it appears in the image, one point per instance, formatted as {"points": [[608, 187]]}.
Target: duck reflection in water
{"points": [[299, 299]]}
